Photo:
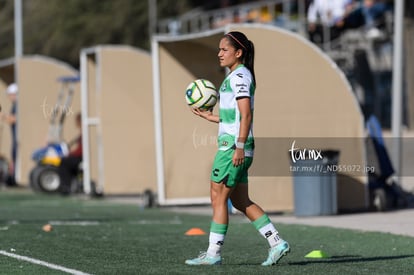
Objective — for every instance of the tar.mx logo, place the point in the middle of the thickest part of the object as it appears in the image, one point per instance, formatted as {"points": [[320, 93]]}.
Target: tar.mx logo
{"points": [[202, 139], [302, 154], [54, 110]]}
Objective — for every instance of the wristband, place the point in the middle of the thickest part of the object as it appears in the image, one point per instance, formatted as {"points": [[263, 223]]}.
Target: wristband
{"points": [[240, 145]]}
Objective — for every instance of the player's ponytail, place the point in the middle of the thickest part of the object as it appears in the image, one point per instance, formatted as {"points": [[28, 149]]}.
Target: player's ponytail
{"points": [[239, 41], [249, 59]]}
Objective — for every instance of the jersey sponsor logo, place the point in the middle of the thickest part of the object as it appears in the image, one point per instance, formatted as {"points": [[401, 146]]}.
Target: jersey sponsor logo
{"points": [[242, 88], [240, 75]]}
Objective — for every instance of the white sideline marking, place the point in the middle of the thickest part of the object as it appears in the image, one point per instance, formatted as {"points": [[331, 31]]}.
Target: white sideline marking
{"points": [[39, 262], [156, 222], [79, 223]]}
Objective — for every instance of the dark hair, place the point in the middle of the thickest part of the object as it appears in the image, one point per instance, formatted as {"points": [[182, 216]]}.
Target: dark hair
{"points": [[239, 41]]}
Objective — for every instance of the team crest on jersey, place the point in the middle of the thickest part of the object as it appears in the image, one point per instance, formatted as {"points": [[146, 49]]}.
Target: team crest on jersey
{"points": [[224, 143]]}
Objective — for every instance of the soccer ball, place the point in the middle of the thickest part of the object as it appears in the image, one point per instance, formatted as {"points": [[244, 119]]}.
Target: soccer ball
{"points": [[201, 94]]}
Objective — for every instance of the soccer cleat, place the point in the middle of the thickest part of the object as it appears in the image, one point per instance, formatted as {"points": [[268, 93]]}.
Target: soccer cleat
{"points": [[204, 259], [276, 253]]}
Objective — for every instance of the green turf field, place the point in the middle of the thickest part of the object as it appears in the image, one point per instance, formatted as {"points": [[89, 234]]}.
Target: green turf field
{"points": [[102, 237]]}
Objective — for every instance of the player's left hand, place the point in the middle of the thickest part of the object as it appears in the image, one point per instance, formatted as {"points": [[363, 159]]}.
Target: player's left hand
{"points": [[206, 114], [238, 157]]}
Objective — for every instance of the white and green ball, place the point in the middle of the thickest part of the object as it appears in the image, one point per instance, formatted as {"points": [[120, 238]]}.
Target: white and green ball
{"points": [[201, 94]]}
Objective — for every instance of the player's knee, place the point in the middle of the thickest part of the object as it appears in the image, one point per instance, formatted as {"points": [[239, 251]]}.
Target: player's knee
{"points": [[241, 205]]}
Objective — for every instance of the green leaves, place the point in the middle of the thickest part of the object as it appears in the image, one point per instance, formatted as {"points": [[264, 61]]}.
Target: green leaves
{"points": [[60, 29]]}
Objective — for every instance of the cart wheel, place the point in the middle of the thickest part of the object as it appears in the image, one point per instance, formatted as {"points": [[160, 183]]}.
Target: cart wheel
{"points": [[48, 179], [33, 179]]}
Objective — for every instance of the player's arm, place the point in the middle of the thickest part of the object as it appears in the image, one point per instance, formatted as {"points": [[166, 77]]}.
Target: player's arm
{"points": [[206, 114], [245, 118]]}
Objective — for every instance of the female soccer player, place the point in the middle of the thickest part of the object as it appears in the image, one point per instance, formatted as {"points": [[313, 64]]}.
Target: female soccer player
{"points": [[235, 153]]}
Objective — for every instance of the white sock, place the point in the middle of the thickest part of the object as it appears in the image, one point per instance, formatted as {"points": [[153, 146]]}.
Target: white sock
{"points": [[216, 241], [270, 233], [274, 239]]}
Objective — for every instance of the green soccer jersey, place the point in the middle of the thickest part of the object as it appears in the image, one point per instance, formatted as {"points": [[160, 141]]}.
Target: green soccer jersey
{"points": [[238, 84]]}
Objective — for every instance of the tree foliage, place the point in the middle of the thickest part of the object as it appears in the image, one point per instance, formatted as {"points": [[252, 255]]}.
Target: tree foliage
{"points": [[60, 29]]}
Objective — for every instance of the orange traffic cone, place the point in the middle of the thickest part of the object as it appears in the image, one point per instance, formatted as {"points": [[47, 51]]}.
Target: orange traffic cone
{"points": [[195, 231]]}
